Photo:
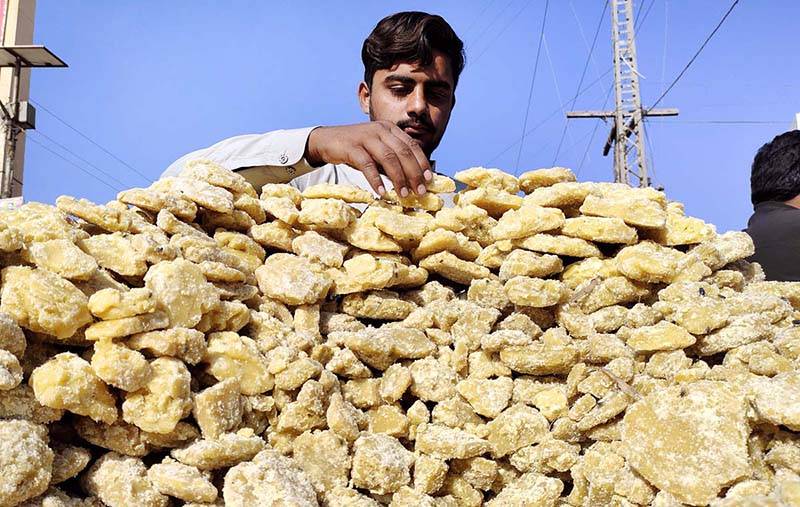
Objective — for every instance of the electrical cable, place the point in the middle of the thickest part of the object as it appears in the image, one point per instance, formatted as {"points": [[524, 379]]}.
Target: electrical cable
{"points": [[533, 81], [34, 141], [702, 46], [479, 16], [42, 107]]}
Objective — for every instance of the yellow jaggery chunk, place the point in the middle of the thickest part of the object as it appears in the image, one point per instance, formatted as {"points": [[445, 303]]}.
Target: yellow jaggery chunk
{"points": [[318, 248], [529, 489], [516, 427], [682, 230], [62, 257], [489, 178], [232, 356], [525, 263], [427, 202], [282, 208], [635, 210], [361, 273], [20, 403], [37, 222], [226, 451], [596, 293], [495, 202], [441, 240], [325, 213], [488, 292], [282, 190], [270, 480], [188, 345], [662, 336], [119, 366], [459, 218], [488, 397], [121, 481], [579, 272], [776, 399], [368, 237], [26, 461], [219, 408], [216, 175], [564, 195], [526, 221], [325, 458], [451, 267], [182, 481], [600, 229], [649, 262], [535, 292], [68, 382], [277, 234], [115, 252], [432, 380], [381, 347], [68, 461], [240, 243], [200, 192], [382, 305], [531, 180], [10, 239], [559, 245], [109, 329], [250, 205], [110, 304], [444, 442], [107, 218], [554, 353], [118, 437], [292, 280], [219, 272], [689, 441], [401, 226], [182, 290], [346, 193], [154, 202], [39, 300], [441, 184], [163, 401], [10, 371]]}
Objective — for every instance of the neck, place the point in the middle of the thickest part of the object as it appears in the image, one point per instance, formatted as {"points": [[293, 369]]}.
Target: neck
{"points": [[794, 201]]}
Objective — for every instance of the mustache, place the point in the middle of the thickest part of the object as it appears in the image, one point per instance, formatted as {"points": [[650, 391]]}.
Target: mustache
{"points": [[418, 123]]}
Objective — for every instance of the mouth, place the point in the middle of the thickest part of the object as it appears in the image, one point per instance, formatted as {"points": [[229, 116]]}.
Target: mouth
{"points": [[416, 131]]}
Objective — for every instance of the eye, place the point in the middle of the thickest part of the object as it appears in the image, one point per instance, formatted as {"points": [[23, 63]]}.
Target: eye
{"points": [[399, 90]]}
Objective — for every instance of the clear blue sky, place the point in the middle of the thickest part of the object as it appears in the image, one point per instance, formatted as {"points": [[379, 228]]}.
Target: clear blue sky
{"points": [[152, 80]]}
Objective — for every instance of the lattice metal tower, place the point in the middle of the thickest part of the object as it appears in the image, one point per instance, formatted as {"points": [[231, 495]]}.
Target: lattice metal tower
{"points": [[627, 133]]}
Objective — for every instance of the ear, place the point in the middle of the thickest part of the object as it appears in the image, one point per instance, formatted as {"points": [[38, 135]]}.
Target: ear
{"points": [[363, 97]]}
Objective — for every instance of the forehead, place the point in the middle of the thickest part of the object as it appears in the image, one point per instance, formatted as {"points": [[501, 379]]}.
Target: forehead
{"points": [[438, 70]]}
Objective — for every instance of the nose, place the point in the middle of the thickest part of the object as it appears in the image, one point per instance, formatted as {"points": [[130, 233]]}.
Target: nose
{"points": [[416, 104]]}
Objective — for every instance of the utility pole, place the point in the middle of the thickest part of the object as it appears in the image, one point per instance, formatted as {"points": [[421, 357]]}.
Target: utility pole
{"points": [[627, 132]]}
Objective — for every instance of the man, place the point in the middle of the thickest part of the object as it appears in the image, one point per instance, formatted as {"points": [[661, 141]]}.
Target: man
{"points": [[775, 193], [412, 61]]}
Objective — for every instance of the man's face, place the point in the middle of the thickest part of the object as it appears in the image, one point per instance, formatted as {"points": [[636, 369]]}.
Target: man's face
{"points": [[417, 99]]}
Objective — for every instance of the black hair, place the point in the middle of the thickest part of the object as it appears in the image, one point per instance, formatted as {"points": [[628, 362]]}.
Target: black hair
{"points": [[775, 173], [411, 37]]}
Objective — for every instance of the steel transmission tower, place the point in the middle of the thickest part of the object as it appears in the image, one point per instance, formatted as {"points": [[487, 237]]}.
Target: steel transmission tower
{"points": [[627, 132]]}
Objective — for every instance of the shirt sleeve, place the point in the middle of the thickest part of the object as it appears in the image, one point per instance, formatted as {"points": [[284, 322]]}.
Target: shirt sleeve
{"points": [[273, 157]]}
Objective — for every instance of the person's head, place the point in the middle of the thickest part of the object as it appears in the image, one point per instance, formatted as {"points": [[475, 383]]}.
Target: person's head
{"points": [[775, 173], [412, 61]]}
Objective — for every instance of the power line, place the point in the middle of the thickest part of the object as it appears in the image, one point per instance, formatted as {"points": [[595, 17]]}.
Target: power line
{"points": [[682, 72], [40, 133], [479, 16], [40, 106], [646, 12], [724, 122], [558, 94], [493, 21], [34, 141], [583, 73], [507, 25], [594, 131], [533, 81]]}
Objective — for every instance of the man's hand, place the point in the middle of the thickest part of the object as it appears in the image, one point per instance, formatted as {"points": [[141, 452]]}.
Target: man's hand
{"points": [[370, 147]]}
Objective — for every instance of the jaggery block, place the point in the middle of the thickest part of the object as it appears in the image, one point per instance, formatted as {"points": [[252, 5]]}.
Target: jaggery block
{"points": [[649, 262], [445, 442], [776, 399], [495, 202], [115, 252], [182, 290], [544, 357], [149, 200], [36, 222], [432, 380], [188, 345], [401, 226], [490, 178], [429, 473], [108, 304], [219, 408], [182, 481], [215, 174], [120, 366], [269, 480], [282, 190], [600, 229], [346, 364], [516, 427], [564, 195], [68, 382], [232, 356], [488, 397], [662, 336], [10, 371], [202, 193], [318, 248], [689, 441], [526, 221], [68, 461], [636, 211], [525, 263], [586, 269], [292, 280], [368, 237], [121, 481], [531, 180], [451, 267], [529, 489], [388, 420], [682, 230], [346, 193], [442, 240], [596, 294], [42, 301], [459, 218], [12, 338], [559, 245], [380, 463], [427, 202], [535, 292], [277, 235], [325, 213], [116, 328], [163, 401], [739, 331], [226, 451], [25, 459], [119, 437], [62, 257], [488, 292], [107, 218], [323, 455]]}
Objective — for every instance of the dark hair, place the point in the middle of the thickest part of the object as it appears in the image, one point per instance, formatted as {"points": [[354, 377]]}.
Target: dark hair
{"points": [[411, 37], [775, 174]]}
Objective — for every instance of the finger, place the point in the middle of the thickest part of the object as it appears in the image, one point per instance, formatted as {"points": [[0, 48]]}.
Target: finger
{"points": [[422, 159], [408, 162], [385, 156], [362, 161]]}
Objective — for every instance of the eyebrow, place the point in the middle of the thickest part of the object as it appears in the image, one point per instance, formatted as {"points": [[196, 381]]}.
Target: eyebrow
{"points": [[436, 83]]}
